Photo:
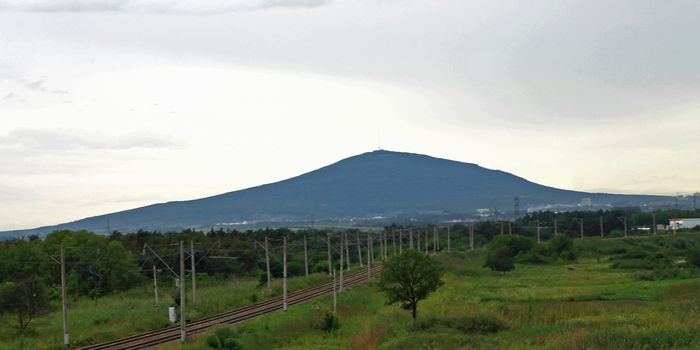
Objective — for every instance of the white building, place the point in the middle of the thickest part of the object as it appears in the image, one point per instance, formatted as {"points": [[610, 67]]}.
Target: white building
{"points": [[677, 224]]}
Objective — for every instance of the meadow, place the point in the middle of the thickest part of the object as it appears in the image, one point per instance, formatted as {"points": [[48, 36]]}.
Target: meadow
{"points": [[581, 304]]}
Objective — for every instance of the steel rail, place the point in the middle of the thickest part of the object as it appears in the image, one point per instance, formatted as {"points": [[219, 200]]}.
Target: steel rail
{"points": [[169, 334]]}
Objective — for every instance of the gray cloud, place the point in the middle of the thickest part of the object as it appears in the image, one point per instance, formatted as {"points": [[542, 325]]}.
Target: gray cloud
{"points": [[154, 6], [82, 140]]}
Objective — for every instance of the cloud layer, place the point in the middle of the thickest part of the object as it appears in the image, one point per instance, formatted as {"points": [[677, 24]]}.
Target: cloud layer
{"points": [[154, 6], [79, 140]]}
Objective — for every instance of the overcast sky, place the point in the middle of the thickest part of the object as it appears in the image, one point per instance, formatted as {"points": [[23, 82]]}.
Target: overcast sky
{"points": [[107, 105]]}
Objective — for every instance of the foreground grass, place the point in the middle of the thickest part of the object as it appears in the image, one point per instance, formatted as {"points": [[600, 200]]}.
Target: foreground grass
{"points": [[582, 305], [134, 312]]}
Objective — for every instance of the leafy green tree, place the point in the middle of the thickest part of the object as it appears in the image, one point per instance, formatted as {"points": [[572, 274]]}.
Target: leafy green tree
{"points": [[25, 299], [499, 258], [409, 278]]}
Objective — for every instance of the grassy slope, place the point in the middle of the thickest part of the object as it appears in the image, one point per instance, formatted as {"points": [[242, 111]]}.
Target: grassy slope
{"points": [[544, 307]]}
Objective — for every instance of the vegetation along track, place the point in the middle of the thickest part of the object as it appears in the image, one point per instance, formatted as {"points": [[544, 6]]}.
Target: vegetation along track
{"points": [[170, 334]]}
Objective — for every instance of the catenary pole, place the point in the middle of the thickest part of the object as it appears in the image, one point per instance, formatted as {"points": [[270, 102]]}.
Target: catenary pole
{"points": [[284, 275], [426, 241], [341, 263], [335, 297], [64, 298], [435, 240], [328, 244], [194, 278], [183, 319], [347, 251], [601, 226], [155, 285], [359, 248], [471, 237], [448, 240], [418, 240], [306, 258], [267, 264], [369, 259]]}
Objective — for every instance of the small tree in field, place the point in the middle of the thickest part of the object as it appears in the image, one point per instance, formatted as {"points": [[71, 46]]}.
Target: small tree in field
{"points": [[499, 259], [410, 277], [26, 300]]}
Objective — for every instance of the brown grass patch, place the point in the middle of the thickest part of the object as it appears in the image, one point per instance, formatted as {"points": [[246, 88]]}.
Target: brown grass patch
{"points": [[369, 338]]}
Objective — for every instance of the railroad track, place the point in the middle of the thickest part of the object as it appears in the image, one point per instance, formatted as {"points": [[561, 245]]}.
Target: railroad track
{"points": [[169, 334]]}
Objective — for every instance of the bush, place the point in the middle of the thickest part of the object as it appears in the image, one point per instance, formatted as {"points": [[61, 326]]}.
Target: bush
{"points": [[481, 324], [692, 257], [224, 338], [329, 322]]}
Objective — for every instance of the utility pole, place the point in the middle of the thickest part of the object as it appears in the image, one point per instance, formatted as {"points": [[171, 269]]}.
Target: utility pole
{"points": [[341, 263], [400, 242], [155, 285], [385, 247], [335, 297], [471, 237], [653, 222], [501, 222], [306, 258], [601, 226], [267, 264], [538, 231], [624, 220], [448, 240], [435, 240], [359, 249], [284, 275], [183, 319], [194, 278], [556, 227], [328, 244], [64, 298], [426, 240], [369, 261], [580, 221], [510, 228], [347, 251], [410, 238], [393, 240], [418, 240], [437, 237]]}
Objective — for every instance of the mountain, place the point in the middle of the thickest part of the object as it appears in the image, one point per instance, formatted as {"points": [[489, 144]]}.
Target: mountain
{"points": [[375, 184]]}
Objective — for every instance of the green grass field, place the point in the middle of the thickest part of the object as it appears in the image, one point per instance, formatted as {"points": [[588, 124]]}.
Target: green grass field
{"points": [[579, 305]]}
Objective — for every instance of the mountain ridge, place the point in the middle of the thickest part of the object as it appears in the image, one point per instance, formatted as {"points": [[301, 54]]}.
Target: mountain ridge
{"points": [[377, 183]]}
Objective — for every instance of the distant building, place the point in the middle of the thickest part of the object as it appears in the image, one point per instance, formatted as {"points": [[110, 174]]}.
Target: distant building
{"points": [[677, 224], [483, 213], [586, 202]]}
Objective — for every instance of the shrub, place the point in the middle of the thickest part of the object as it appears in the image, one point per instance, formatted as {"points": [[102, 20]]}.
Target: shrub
{"points": [[224, 338], [692, 257], [329, 322], [482, 324]]}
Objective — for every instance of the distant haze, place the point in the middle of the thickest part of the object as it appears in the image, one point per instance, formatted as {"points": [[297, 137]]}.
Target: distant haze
{"points": [[108, 105]]}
